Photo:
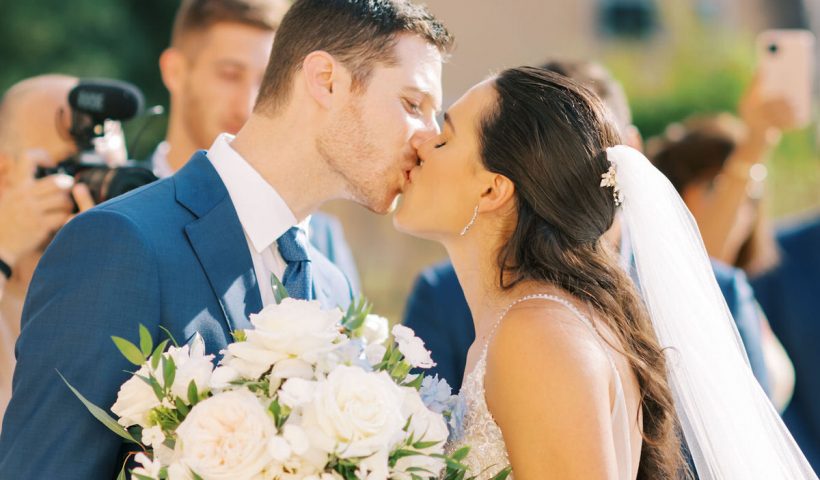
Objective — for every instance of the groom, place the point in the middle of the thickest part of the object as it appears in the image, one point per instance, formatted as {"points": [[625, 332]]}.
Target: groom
{"points": [[351, 89]]}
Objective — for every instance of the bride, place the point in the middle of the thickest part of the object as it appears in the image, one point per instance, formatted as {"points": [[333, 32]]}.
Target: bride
{"points": [[574, 374]]}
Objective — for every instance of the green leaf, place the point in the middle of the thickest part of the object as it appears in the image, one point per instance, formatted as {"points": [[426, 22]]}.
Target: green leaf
{"points": [[140, 477], [121, 476], [170, 337], [154, 384], [193, 394], [157, 355], [279, 291], [180, 404], [146, 343], [100, 414], [425, 445], [503, 474], [129, 350], [169, 371]]}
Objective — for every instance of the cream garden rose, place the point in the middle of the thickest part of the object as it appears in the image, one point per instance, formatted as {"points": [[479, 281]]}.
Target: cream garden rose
{"points": [[226, 437], [426, 426], [135, 400], [293, 329], [354, 413]]}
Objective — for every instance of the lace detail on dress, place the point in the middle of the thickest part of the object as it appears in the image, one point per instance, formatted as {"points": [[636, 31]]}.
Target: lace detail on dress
{"points": [[488, 453]]}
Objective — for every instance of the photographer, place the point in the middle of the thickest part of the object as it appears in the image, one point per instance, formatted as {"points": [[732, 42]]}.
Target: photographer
{"points": [[33, 133]]}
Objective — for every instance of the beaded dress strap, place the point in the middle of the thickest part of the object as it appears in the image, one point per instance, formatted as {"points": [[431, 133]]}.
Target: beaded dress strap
{"points": [[544, 296]]}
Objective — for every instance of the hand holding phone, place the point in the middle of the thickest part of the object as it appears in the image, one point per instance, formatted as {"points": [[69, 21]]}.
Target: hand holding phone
{"points": [[785, 70]]}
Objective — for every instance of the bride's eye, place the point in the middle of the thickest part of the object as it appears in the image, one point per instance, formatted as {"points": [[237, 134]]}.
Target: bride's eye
{"points": [[439, 145]]}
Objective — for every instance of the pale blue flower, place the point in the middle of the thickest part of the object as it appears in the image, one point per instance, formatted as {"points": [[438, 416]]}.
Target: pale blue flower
{"points": [[435, 393]]}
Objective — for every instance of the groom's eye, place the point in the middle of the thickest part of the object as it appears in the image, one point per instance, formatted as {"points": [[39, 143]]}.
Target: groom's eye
{"points": [[412, 107]]}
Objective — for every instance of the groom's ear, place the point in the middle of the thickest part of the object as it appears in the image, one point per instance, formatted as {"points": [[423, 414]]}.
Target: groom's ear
{"points": [[321, 73], [499, 193]]}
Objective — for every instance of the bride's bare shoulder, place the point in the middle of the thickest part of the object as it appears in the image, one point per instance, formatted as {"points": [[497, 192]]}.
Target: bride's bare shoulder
{"points": [[544, 333]]}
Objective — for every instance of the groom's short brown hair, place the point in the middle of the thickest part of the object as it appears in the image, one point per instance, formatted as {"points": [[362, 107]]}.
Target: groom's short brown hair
{"points": [[358, 33]]}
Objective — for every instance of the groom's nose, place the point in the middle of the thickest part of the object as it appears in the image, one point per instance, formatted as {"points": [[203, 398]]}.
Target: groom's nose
{"points": [[423, 135]]}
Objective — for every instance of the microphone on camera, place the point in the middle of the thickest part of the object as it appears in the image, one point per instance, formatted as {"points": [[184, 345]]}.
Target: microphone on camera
{"points": [[105, 99]]}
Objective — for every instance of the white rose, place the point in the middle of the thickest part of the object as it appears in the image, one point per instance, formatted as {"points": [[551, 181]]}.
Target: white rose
{"points": [[153, 436], [425, 426], [412, 347], [279, 449], [222, 377], [375, 353], [374, 467], [376, 329], [178, 471], [297, 439], [192, 364], [295, 329], [135, 400], [354, 413], [226, 436], [296, 392]]}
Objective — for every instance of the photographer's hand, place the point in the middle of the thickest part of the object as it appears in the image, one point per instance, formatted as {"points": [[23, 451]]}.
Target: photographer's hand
{"points": [[31, 210], [82, 197]]}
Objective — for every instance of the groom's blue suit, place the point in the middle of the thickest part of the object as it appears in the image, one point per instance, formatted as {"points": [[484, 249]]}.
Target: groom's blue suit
{"points": [[172, 254]]}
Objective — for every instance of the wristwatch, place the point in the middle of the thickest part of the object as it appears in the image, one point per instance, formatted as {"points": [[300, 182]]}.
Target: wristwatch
{"points": [[5, 268]]}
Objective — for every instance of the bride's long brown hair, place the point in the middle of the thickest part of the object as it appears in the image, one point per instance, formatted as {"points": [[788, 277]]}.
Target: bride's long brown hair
{"points": [[549, 135]]}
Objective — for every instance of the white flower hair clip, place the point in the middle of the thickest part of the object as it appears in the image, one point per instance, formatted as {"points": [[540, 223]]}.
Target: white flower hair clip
{"points": [[610, 179]]}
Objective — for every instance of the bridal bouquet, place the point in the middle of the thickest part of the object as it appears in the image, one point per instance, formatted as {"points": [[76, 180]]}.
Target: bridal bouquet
{"points": [[306, 394]]}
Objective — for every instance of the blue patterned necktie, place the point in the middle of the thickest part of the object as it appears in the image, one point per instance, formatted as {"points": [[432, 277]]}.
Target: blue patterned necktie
{"points": [[298, 281]]}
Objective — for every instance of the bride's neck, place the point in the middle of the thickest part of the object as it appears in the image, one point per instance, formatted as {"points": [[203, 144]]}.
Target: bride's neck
{"points": [[475, 260]]}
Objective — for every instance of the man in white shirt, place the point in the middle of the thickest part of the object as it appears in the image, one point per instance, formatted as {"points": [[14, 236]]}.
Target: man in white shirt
{"points": [[213, 70], [351, 91]]}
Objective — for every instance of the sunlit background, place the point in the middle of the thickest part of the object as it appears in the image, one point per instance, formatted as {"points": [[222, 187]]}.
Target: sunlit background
{"points": [[674, 57]]}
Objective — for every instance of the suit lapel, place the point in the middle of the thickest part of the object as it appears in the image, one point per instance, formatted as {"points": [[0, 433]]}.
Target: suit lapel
{"points": [[218, 240]]}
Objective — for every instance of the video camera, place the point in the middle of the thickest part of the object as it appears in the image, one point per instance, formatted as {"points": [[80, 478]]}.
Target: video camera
{"points": [[93, 103]]}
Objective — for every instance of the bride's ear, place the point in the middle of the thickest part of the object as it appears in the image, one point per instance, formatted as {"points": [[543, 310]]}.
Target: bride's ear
{"points": [[500, 193]]}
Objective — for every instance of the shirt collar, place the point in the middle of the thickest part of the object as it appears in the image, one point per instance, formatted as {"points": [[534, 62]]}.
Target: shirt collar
{"points": [[159, 161], [263, 213]]}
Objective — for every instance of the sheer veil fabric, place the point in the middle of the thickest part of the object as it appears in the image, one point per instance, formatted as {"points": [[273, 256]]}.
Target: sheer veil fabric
{"points": [[731, 427]]}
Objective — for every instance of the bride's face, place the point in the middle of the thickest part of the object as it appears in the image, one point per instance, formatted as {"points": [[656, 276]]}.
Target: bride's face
{"points": [[446, 185]]}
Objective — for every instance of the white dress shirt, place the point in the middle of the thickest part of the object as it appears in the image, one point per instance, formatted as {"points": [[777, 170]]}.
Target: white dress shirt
{"points": [[264, 215], [159, 161]]}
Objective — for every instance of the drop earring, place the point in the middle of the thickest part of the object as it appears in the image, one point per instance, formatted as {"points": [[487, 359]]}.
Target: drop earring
{"points": [[471, 223]]}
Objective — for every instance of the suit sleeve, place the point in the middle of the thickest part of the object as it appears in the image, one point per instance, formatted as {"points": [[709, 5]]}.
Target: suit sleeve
{"points": [[98, 278], [745, 309], [424, 314]]}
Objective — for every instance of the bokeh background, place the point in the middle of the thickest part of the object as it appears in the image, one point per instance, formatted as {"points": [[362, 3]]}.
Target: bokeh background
{"points": [[674, 57]]}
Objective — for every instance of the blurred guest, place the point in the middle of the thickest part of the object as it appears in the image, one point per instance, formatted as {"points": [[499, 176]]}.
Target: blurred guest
{"points": [[790, 296], [439, 314], [32, 132], [212, 70]]}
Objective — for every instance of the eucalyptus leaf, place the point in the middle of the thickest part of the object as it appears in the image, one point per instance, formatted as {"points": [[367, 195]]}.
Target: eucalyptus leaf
{"points": [[100, 414]]}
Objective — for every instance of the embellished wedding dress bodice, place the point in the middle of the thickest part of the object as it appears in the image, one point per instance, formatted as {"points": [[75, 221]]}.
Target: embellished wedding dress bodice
{"points": [[488, 453]]}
